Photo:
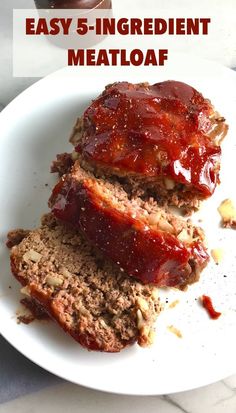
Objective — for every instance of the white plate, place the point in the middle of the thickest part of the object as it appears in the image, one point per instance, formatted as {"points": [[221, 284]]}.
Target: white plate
{"points": [[33, 129]]}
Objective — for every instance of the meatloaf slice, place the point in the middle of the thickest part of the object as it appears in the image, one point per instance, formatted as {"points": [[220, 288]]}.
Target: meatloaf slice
{"points": [[163, 139], [98, 305], [144, 240]]}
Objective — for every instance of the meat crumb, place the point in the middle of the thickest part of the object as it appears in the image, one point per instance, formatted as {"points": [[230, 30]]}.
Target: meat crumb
{"points": [[25, 319], [15, 237], [36, 312]]}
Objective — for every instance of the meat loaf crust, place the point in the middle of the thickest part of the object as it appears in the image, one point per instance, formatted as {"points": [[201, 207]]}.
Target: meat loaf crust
{"points": [[162, 138], [62, 164], [99, 306], [145, 241]]}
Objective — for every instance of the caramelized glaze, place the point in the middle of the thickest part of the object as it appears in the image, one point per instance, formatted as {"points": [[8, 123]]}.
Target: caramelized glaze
{"points": [[159, 130], [152, 256]]}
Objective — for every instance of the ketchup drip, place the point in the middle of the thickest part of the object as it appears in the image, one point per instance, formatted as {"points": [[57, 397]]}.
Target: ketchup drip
{"points": [[207, 304]]}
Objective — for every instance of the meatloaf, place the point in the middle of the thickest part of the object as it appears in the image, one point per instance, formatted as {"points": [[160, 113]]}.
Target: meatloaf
{"points": [[98, 305], [162, 139], [142, 239]]}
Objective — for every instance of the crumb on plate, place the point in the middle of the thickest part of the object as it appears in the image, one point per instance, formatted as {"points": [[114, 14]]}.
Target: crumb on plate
{"points": [[227, 211], [175, 331], [174, 304], [217, 255]]}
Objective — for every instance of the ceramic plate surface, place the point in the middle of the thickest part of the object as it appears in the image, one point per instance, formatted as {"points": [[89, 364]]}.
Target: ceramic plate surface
{"points": [[33, 129]]}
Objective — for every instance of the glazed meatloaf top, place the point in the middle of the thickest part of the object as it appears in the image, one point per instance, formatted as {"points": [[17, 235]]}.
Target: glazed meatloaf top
{"points": [[144, 240], [166, 133], [97, 304]]}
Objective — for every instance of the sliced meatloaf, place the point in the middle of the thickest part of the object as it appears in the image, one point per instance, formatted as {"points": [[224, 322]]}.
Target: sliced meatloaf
{"points": [[142, 239], [98, 305], [162, 139]]}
